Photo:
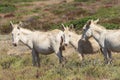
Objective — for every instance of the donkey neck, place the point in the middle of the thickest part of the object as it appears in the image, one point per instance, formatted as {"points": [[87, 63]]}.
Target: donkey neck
{"points": [[25, 31], [74, 39], [25, 35], [97, 31]]}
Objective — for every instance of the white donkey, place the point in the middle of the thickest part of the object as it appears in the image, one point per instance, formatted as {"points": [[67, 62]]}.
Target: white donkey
{"points": [[39, 42], [83, 47], [109, 40]]}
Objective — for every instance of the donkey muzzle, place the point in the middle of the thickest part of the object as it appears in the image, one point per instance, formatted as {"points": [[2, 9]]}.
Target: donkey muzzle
{"points": [[15, 44], [66, 44]]}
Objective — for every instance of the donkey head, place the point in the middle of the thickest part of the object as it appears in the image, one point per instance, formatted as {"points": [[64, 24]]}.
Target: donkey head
{"points": [[15, 32], [87, 29], [67, 34]]}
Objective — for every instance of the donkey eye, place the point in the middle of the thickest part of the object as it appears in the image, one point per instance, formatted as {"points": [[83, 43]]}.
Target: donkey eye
{"points": [[18, 33], [83, 30], [69, 35]]}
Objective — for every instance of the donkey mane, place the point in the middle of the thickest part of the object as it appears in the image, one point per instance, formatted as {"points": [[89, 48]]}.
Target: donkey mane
{"points": [[25, 31], [99, 26]]}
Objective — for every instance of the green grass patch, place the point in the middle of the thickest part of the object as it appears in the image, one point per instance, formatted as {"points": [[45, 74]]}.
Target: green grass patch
{"points": [[24, 4], [112, 12], [5, 8], [111, 25]]}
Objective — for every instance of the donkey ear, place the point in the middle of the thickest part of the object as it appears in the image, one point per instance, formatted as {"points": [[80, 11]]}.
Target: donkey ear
{"points": [[96, 21], [11, 24], [71, 27], [89, 22], [20, 23], [63, 27], [67, 28], [18, 27]]}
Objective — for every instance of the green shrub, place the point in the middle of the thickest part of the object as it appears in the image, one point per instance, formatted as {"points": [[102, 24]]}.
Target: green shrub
{"points": [[111, 25], [112, 12], [78, 24]]}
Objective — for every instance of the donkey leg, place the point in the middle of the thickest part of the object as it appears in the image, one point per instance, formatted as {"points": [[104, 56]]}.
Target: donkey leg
{"points": [[105, 53], [58, 52], [36, 59], [110, 56], [33, 57], [59, 56], [61, 49]]}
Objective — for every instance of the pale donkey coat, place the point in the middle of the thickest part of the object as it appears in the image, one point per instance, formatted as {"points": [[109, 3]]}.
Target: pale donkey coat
{"points": [[109, 40], [83, 47], [39, 42]]}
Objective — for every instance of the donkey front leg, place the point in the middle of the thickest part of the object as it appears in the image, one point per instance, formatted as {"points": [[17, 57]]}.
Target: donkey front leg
{"points": [[58, 52], [105, 53], [35, 58], [59, 56]]}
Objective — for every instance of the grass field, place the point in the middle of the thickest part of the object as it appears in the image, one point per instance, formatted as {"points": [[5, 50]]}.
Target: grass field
{"points": [[47, 15], [92, 68]]}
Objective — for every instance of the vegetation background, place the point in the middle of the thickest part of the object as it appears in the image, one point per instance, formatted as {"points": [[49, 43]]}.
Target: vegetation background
{"points": [[16, 62]]}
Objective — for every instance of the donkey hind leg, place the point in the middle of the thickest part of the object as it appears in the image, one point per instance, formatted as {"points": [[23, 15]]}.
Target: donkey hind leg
{"points": [[105, 53], [33, 57], [110, 56], [36, 60]]}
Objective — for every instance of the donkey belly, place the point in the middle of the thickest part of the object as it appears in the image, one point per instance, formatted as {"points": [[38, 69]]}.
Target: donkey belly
{"points": [[44, 50], [112, 42], [115, 47]]}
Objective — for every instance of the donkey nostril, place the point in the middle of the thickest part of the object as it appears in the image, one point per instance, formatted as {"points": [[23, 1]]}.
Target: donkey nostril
{"points": [[65, 44], [14, 44]]}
